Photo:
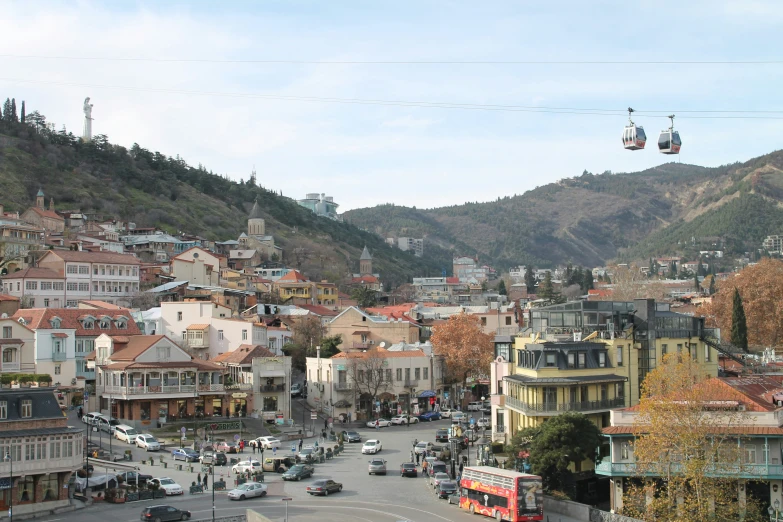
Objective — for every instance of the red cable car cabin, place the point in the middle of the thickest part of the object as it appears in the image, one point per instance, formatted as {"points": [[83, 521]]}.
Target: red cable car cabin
{"points": [[502, 494]]}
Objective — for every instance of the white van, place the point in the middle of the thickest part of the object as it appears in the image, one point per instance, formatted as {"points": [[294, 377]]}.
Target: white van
{"points": [[475, 406], [91, 418], [125, 433]]}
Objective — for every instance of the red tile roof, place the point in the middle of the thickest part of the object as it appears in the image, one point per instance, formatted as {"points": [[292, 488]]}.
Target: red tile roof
{"points": [[243, 355], [34, 273], [379, 352], [4, 297], [364, 279], [47, 213], [40, 318], [93, 257], [133, 347], [193, 363], [294, 276], [320, 310], [452, 280]]}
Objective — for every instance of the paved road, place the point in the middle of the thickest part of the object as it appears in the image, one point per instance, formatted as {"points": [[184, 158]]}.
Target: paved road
{"points": [[364, 498]]}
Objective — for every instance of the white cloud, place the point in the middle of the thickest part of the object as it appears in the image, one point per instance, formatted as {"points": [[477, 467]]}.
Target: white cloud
{"points": [[409, 122]]}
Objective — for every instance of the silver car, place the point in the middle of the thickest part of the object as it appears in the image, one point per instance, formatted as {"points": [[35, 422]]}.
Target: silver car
{"points": [[377, 466], [247, 490]]}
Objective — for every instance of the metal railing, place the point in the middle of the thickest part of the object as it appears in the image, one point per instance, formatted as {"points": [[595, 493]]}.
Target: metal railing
{"points": [[499, 429], [143, 390], [770, 471], [343, 386], [10, 366], [272, 387], [58, 356], [411, 383], [86, 374], [564, 406]]}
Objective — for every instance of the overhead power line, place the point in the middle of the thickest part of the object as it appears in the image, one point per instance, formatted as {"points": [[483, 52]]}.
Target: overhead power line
{"points": [[396, 62], [711, 114]]}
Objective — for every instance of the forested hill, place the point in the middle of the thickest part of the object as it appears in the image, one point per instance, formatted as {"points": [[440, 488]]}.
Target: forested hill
{"points": [[591, 219], [152, 189]]}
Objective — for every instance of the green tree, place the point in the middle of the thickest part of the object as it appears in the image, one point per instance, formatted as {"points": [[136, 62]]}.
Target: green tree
{"points": [[329, 345], [739, 325], [673, 270], [562, 440], [364, 297], [530, 280], [712, 284], [696, 285], [7, 110], [587, 280], [14, 116], [502, 288], [298, 356], [547, 290], [22, 117]]}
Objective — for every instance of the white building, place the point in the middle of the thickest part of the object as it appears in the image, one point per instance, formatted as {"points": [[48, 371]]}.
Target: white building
{"points": [[105, 276], [36, 287], [272, 274], [277, 337], [197, 266], [408, 244], [272, 389]]}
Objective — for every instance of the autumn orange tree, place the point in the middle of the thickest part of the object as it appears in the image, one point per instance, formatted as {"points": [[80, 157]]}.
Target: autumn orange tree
{"points": [[761, 288], [461, 341], [689, 464]]}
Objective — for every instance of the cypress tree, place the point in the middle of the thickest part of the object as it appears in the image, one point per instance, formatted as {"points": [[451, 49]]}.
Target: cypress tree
{"points": [[712, 285], [502, 288], [7, 110], [22, 116], [547, 290], [14, 117], [739, 326], [530, 281], [696, 285]]}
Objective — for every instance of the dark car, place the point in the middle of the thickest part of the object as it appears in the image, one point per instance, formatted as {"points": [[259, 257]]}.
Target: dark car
{"points": [[446, 488], [324, 487], [442, 435], [217, 458], [133, 477], [454, 499], [437, 467], [186, 454], [164, 513], [429, 416], [299, 472], [352, 436], [408, 469]]}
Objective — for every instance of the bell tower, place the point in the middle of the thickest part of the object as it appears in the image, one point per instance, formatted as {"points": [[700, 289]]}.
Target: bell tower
{"points": [[255, 223], [365, 262]]}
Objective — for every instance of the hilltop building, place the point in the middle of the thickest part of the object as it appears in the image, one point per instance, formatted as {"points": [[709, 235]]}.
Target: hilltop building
{"points": [[321, 204], [256, 237], [42, 217], [408, 244]]}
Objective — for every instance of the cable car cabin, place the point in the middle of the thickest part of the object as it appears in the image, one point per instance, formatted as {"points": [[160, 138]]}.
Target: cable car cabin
{"points": [[669, 142], [634, 137]]}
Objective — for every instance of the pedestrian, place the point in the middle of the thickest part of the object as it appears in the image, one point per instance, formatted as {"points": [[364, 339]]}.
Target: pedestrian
{"points": [[418, 458], [412, 456], [377, 425], [206, 486], [241, 446], [254, 448], [300, 444], [326, 423], [198, 480], [349, 416], [424, 468], [81, 412]]}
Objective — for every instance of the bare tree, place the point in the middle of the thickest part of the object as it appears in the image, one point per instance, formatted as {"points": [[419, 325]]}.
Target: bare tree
{"points": [[308, 332], [143, 300], [369, 373], [629, 283], [9, 255]]}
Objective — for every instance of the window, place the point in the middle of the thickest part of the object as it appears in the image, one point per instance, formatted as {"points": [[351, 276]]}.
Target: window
{"points": [[179, 316], [679, 348], [104, 324], [31, 285], [95, 287], [3, 409], [407, 374], [58, 286], [602, 359], [663, 350], [164, 352], [573, 393], [620, 391], [426, 373], [220, 335], [27, 408], [483, 321], [72, 269], [84, 270], [244, 335], [120, 270], [399, 374], [572, 360], [388, 376], [7, 332], [625, 450], [585, 396], [46, 285], [694, 351], [707, 353], [103, 270], [73, 304], [84, 287], [604, 392], [57, 369], [550, 359], [88, 324], [417, 373], [619, 360], [508, 321], [360, 376], [582, 359], [72, 287], [749, 451], [46, 303], [95, 270]]}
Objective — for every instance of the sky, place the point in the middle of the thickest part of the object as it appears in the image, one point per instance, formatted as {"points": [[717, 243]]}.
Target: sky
{"points": [[241, 85]]}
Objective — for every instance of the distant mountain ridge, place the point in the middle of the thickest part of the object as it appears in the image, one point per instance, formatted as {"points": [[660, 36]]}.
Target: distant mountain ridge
{"points": [[591, 219]]}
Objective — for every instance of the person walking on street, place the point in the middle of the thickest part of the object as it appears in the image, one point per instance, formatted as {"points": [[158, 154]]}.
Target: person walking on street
{"points": [[412, 456], [326, 423], [198, 480], [300, 444], [81, 412], [418, 458], [254, 448], [424, 468], [206, 485], [377, 425]]}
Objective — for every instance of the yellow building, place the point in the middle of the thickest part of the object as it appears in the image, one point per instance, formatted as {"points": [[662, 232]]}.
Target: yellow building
{"points": [[297, 289], [588, 357]]}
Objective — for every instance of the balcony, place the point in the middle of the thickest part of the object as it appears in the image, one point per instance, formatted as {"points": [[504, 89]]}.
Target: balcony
{"points": [[129, 392], [58, 356], [343, 386], [549, 408], [411, 383], [361, 346], [11, 366], [499, 429], [272, 388], [746, 471], [86, 374]]}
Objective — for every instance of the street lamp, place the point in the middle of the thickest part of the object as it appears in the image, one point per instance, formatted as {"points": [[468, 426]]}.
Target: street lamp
{"points": [[214, 452], [11, 487], [286, 500], [774, 511]]}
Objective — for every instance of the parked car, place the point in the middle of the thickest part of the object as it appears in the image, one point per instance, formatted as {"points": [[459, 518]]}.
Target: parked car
{"points": [[265, 442], [213, 457], [247, 490], [382, 423], [186, 454], [446, 413], [402, 420], [133, 477], [372, 446], [296, 390], [446, 488], [298, 472], [429, 416], [125, 433], [352, 436], [483, 422], [106, 424], [377, 466], [437, 478], [246, 465], [423, 447], [164, 513], [454, 498], [458, 417], [324, 487], [227, 447], [92, 417], [166, 484], [475, 406], [442, 435], [437, 466], [408, 469], [278, 464], [147, 442]]}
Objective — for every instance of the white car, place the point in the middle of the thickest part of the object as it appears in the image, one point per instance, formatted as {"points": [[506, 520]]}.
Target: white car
{"points": [[382, 423], [457, 417], [266, 443], [147, 442], [403, 420], [372, 446], [483, 422], [247, 490], [92, 417], [423, 447], [167, 485], [245, 466], [446, 413]]}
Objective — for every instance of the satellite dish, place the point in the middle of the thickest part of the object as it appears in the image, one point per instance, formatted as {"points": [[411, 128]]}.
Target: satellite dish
{"points": [[4, 316], [382, 345]]}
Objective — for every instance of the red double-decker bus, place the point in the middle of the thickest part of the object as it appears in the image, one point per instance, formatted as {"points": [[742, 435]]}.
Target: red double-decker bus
{"points": [[502, 493]]}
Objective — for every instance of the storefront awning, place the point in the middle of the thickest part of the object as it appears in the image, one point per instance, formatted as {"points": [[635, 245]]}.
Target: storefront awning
{"points": [[427, 394]]}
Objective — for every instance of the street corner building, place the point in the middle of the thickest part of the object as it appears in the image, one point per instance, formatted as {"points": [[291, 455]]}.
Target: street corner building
{"points": [[39, 452]]}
